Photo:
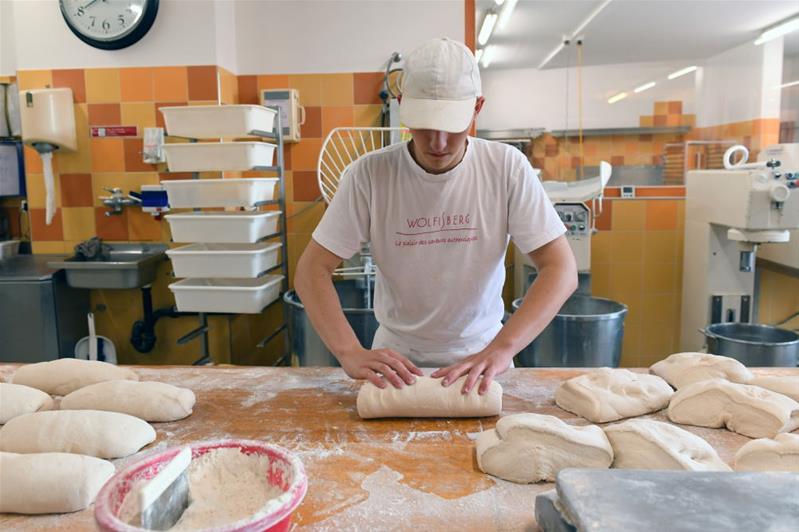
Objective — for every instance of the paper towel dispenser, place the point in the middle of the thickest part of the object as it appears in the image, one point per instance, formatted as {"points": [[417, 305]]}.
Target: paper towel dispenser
{"points": [[48, 117]]}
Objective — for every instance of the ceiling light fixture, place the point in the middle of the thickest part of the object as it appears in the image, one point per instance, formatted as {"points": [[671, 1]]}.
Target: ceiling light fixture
{"points": [[645, 86], [789, 84], [684, 71], [488, 55], [778, 31], [584, 24], [478, 54], [505, 12], [620, 96], [489, 22]]}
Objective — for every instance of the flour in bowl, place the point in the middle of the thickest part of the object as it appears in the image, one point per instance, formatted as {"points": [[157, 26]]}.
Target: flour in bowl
{"points": [[225, 486]]}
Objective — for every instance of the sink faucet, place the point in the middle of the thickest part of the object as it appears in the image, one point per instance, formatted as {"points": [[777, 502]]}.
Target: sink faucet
{"points": [[117, 200]]}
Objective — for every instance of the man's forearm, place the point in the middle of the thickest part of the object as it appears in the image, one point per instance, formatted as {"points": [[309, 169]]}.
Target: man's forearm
{"points": [[551, 288], [323, 306]]}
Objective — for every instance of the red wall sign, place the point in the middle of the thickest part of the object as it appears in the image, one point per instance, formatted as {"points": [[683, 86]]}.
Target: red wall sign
{"points": [[114, 131]]}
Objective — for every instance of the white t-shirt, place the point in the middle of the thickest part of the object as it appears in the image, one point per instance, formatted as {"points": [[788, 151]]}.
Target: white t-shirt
{"points": [[439, 240]]}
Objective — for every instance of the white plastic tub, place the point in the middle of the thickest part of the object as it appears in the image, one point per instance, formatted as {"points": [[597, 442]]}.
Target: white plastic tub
{"points": [[238, 192], [218, 156], [222, 227], [240, 296], [216, 121], [224, 260]]}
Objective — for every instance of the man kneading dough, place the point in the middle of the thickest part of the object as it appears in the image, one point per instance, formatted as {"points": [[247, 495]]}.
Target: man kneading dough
{"points": [[438, 211]]}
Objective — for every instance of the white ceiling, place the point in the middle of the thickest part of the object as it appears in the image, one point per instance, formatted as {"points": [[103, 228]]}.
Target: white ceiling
{"points": [[630, 31]]}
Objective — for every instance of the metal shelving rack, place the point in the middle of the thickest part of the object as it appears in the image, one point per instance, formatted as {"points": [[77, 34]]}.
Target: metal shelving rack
{"points": [[201, 331]]}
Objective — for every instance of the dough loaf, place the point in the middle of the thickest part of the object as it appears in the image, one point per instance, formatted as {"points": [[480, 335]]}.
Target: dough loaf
{"points": [[89, 432], [779, 454], [650, 444], [65, 375], [785, 385], [748, 410], [16, 399], [428, 398], [606, 394], [527, 448], [46, 483], [682, 369], [150, 401]]}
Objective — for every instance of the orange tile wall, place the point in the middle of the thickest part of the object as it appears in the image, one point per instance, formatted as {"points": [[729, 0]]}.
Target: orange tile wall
{"points": [[132, 96]]}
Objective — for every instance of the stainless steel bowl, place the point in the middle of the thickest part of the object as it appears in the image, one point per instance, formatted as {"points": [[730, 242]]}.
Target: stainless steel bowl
{"points": [[753, 344]]}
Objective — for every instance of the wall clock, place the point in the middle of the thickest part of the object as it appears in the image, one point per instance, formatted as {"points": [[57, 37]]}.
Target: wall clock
{"points": [[109, 24]]}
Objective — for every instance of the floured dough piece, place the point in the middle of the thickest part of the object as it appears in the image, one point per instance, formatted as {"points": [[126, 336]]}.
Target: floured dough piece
{"points": [[786, 385], [527, 448], [682, 369], [650, 444], [748, 410], [16, 400], [89, 432], [428, 398], [606, 394], [45, 483], [150, 401], [779, 454], [65, 375]]}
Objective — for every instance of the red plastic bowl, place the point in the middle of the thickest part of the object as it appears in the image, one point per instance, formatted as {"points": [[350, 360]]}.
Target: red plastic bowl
{"points": [[294, 485]]}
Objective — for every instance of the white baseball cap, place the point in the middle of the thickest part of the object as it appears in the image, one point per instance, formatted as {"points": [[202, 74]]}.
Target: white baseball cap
{"points": [[440, 86]]}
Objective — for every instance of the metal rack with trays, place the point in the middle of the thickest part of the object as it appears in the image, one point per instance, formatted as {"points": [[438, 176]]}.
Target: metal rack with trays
{"points": [[278, 170]]}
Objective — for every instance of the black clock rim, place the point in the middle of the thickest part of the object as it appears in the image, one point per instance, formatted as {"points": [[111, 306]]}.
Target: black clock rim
{"points": [[150, 11]]}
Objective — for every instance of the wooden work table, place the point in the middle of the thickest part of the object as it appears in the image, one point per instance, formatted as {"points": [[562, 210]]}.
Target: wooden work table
{"points": [[376, 474]]}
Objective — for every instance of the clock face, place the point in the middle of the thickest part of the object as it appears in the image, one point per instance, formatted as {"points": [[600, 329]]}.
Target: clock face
{"points": [[109, 24]]}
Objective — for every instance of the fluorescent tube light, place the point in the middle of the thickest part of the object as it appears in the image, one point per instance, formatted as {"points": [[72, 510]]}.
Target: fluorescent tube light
{"points": [[505, 12], [499, 2], [488, 26], [488, 55], [620, 96], [789, 84], [684, 71], [551, 54], [778, 31], [644, 87], [590, 17], [478, 54]]}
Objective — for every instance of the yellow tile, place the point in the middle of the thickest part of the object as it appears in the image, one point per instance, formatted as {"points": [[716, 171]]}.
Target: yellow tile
{"points": [[600, 248], [600, 279], [78, 223], [626, 277], [367, 115], [337, 89], [634, 302], [296, 245], [305, 218], [657, 342], [659, 308], [138, 114], [626, 246], [629, 215], [660, 246], [79, 161], [36, 193], [34, 79], [44, 247], [309, 87], [631, 347], [102, 85], [660, 278]]}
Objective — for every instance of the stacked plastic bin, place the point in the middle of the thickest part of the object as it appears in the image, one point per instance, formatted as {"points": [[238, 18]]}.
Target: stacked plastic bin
{"points": [[232, 250]]}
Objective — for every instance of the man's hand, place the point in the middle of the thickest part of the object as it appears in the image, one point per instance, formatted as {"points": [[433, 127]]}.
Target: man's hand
{"points": [[378, 366], [487, 363]]}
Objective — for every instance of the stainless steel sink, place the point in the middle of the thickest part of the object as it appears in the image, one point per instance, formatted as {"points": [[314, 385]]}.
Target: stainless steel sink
{"points": [[129, 266]]}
